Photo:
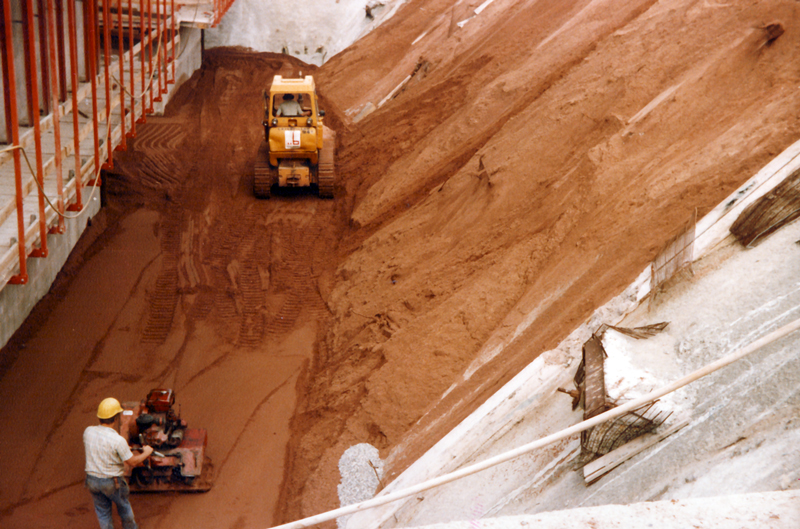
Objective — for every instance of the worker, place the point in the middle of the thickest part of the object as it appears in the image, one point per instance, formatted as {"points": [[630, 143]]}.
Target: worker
{"points": [[107, 456], [289, 108]]}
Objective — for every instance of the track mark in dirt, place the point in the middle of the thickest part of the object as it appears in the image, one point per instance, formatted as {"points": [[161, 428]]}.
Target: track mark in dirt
{"points": [[252, 295], [261, 258], [158, 168], [164, 299], [230, 259], [294, 239]]}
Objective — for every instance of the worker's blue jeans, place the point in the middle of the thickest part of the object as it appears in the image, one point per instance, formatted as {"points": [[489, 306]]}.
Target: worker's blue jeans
{"points": [[105, 493]]}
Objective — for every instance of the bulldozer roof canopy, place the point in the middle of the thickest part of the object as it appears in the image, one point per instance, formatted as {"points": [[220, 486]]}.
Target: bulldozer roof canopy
{"points": [[279, 84]]}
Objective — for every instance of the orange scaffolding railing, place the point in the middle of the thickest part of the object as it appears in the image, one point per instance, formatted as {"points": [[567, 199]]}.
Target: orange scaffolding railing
{"points": [[62, 71], [220, 8]]}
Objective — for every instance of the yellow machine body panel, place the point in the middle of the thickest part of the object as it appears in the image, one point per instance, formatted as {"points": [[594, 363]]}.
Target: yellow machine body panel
{"points": [[293, 143], [294, 173]]}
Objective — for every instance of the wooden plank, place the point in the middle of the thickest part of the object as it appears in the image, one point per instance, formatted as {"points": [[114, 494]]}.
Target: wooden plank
{"points": [[713, 228], [769, 213], [603, 465], [595, 385]]}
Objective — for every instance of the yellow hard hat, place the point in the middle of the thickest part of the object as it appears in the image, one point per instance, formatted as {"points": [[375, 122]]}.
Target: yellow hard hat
{"points": [[108, 408]]}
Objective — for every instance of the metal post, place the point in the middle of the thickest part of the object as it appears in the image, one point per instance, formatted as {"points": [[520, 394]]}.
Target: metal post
{"points": [[33, 84], [51, 23], [62, 59], [92, 65], [106, 52], [11, 106], [88, 27], [172, 40], [76, 130], [142, 118], [164, 66], [159, 38], [132, 131], [43, 64], [121, 47], [29, 42], [150, 53]]}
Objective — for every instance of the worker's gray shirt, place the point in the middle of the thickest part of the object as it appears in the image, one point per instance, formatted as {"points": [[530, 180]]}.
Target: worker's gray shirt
{"points": [[106, 452], [290, 109]]}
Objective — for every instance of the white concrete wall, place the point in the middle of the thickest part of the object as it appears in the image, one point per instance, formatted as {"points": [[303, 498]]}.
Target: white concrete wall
{"points": [[312, 30]]}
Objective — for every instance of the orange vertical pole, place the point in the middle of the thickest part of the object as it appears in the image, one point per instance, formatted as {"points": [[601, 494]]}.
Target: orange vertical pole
{"points": [[107, 57], [121, 47], [76, 129], [132, 132], [159, 38], [40, 9], [172, 40], [150, 53], [143, 117], [30, 66], [92, 32], [10, 83], [54, 83], [30, 63], [164, 66], [62, 58]]}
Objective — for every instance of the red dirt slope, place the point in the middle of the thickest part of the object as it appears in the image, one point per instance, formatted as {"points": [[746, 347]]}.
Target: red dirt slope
{"points": [[533, 164]]}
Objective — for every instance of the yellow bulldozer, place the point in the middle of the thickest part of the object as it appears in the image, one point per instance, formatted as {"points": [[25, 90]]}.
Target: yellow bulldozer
{"points": [[298, 150]]}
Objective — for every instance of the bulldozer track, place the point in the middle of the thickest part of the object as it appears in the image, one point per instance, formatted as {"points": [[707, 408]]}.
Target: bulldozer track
{"points": [[159, 142], [249, 310], [230, 260], [295, 276], [263, 177], [251, 294], [160, 169], [327, 171]]}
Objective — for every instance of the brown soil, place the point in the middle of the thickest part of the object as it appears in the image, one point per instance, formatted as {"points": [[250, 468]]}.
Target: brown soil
{"points": [[530, 169]]}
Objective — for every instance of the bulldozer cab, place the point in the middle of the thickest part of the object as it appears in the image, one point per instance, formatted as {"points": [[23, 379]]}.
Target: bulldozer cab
{"points": [[292, 103]]}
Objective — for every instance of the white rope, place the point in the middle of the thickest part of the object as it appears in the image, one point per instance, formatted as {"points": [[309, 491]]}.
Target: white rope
{"points": [[585, 425]]}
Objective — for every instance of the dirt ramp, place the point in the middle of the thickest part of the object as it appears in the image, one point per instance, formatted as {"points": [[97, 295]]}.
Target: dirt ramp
{"points": [[196, 286]]}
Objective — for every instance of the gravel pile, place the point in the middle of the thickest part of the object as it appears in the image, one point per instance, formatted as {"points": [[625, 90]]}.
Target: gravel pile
{"points": [[361, 469]]}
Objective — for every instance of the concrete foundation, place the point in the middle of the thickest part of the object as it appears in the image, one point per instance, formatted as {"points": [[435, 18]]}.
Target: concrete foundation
{"points": [[17, 301]]}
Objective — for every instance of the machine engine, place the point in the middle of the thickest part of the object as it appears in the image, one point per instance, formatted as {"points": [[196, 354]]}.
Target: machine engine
{"points": [[179, 461]]}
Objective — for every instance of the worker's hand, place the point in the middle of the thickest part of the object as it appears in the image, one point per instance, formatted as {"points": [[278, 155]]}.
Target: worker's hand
{"points": [[147, 450]]}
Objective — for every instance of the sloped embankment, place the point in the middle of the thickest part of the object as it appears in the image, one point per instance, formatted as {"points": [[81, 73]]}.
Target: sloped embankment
{"points": [[536, 158]]}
